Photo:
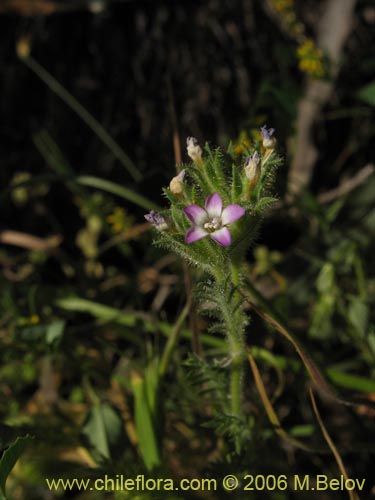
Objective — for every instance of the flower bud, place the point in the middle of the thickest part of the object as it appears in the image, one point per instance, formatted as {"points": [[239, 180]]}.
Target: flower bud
{"points": [[253, 167], [157, 220], [176, 185], [269, 142], [194, 150]]}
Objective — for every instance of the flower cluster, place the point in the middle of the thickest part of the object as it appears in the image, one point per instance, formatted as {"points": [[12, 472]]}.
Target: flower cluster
{"points": [[311, 59], [217, 202], [205, 202]]}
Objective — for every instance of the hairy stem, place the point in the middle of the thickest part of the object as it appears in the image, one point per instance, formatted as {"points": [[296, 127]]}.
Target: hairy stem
{"points": [[233, 317]]}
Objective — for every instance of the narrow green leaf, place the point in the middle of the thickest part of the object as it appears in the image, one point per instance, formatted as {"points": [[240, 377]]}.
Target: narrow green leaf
{"points": [[350, 381], [100, 311], [111, 187], [230, 150], [144, 423], [236, 183], [9, 459], [107, 313]]}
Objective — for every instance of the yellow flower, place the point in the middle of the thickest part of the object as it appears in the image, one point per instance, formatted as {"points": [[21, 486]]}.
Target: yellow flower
{"points": [[119, 220], [311, 59]]}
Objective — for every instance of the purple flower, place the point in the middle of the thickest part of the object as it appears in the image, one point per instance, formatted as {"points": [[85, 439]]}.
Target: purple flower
{"points": [[267, 133], [156, 220], [269, 142], [212, 220]]}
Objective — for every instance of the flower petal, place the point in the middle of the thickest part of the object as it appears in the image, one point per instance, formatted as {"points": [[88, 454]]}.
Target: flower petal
{"points": [[195, 214], [222, 236], [214, 205], [194, 234], [232, 213]]}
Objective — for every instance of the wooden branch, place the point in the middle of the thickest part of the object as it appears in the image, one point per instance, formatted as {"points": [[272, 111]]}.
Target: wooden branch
{"points": [[332, 33], [347, 185]]}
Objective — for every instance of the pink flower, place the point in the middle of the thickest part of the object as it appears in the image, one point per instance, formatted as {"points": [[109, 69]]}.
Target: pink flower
{"points": [[212, 220]]}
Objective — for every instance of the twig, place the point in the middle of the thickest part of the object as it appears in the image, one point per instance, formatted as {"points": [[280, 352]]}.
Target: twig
{"points": [[347, 185], [29, 241]]}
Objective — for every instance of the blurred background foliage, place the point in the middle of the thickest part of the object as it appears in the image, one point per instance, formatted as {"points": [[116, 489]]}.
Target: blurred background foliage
{"points": [[96, 99]]}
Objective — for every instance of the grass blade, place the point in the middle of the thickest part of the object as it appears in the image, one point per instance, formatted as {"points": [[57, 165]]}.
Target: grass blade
{"points": [[144, 423], [331, 444], [90, 121], [273, 418], [123, 192]]}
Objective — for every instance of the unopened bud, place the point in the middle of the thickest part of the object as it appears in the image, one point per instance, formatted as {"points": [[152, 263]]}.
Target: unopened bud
{"points": [[194, 150], [157, 220], [269, 142], [176, 185], [253, 167]]}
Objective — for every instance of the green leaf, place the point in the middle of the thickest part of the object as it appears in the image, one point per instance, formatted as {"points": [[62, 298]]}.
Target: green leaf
{"points": [[236, 183], [322, 314], [144, 422], [230, 150], [350, 381], [9, 459], [100, 311], [103, 428], [55, 331], [325, 280], [367, 94], [123, 192], [264, 203], [358, 315]]}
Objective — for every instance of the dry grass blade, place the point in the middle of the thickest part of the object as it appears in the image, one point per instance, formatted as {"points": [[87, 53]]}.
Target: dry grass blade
{"points": [[331, 444], [273, 418], [314, 372]]}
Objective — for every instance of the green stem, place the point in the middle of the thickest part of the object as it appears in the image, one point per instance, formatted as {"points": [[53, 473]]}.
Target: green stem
{"points": [[233, 321], [236, 385], [172, 339]]}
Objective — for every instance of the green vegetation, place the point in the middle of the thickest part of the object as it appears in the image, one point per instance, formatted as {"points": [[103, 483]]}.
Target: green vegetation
{"points": [[128, 350]]}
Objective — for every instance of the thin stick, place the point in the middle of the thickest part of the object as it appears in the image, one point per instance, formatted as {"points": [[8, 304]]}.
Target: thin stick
{"points": [[348, 185]]}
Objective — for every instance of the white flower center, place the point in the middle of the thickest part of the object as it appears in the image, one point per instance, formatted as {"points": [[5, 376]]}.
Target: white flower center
{"points": [[213, 224]]}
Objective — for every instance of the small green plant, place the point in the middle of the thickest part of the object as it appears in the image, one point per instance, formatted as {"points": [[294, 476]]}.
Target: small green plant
{"points": [[216, 208]]}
